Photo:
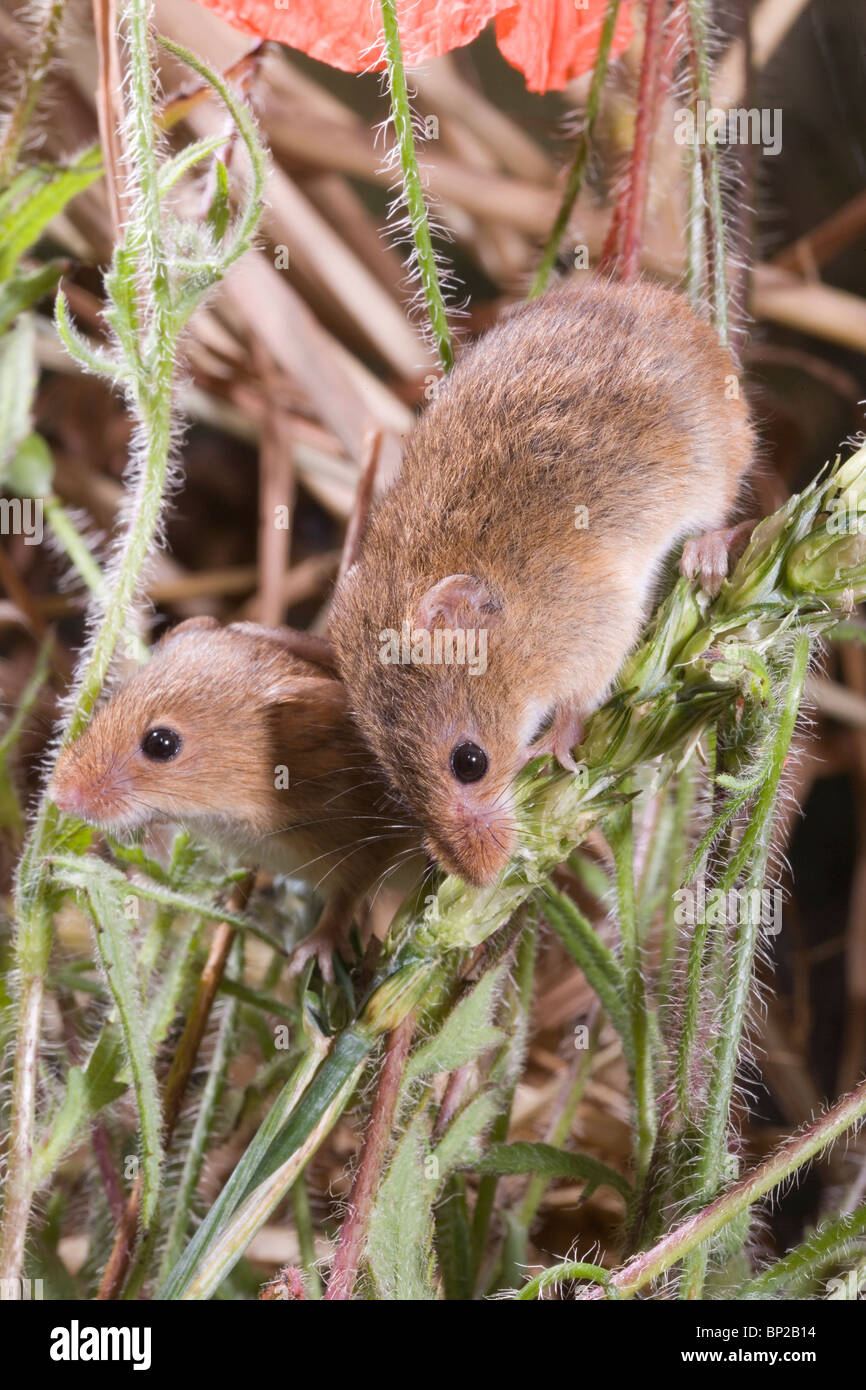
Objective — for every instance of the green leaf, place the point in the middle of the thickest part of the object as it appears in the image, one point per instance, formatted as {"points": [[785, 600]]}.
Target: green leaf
{"points": [[219, 211], [599, 965], [465, 1034], [174, 169], [24, 290], [92, 359], [78, 873], [313, 1094], [115, 946], [460, 1145], [251, 208], [18, 376], [31, 472], [88, 1090], [275, 1008], [545, 1161], [400, 1235], [75, 836], [454, 1242], [34, 199]]}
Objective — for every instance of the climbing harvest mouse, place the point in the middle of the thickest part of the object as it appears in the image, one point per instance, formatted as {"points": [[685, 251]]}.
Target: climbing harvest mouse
{"points": [[504, 576], [227, 732]]}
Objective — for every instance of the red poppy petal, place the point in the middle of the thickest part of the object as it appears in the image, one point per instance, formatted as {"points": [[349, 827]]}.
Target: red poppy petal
{"points": [[554, 41], [348, 33]]}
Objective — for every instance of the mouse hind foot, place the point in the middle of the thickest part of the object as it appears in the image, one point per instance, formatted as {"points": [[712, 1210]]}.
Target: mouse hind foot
{"points": [[709, 557]]}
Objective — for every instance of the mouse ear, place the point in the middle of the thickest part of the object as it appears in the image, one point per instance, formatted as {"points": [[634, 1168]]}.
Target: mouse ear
{"points": [[202, 624], [458, 596], [309, 709], [307, 646]]}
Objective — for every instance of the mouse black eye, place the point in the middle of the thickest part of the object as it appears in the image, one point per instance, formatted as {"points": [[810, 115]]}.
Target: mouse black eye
{"points": [[468, 762], [161, 745]]}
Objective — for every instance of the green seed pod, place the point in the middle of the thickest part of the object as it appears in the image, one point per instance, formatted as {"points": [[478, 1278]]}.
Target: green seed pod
{"points": [[827, 564]]}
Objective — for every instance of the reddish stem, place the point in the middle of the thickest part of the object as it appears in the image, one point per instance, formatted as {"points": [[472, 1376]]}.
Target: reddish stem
{"points": [[344, 1270], [107, 1171], [646, 109]]}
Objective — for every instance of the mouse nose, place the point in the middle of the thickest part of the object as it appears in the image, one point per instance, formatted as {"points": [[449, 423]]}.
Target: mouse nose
{"points": [[67, 796], [480, 845]]}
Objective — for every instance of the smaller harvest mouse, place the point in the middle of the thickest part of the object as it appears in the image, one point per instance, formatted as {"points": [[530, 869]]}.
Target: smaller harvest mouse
{"points": [[505, 575], [229, 733]]}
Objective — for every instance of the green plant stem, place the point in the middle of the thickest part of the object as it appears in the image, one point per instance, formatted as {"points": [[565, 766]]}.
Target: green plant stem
{"points": [[835, 1242], [524, 979], [306, 1241], [356, 1222], [640, 1023], [413, 188], [15, 126], [577, 170], [562, 1127], [195, 1152], [693, 998], [684, 798], [788, 1159], [153, 401], [560, 1274], [755, 844], [698, 24]]}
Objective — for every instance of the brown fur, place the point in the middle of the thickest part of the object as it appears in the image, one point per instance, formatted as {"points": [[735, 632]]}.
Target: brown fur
{"points": [[611, 397], [243, 706]]}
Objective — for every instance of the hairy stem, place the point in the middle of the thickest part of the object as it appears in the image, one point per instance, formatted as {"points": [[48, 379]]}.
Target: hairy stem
{"points": [[700, 1228], [640, 160], [829, 1246], [756, 844], [141, 311], [622, 842], [413, 188], [344, 1270], [698, 25]]}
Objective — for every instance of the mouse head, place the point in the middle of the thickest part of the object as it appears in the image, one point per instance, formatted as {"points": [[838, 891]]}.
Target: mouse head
{"points": [[433, 697], [192, 736]]}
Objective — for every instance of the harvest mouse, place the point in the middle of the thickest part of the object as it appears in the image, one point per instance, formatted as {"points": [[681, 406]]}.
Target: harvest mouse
{"points": [[226, 731], [505, 575]]}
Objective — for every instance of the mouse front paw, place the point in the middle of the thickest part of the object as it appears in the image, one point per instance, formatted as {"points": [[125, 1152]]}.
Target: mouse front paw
{"points": [[318, 947], [708, 557], [328, 938], [560, 739]]}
